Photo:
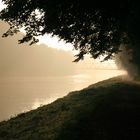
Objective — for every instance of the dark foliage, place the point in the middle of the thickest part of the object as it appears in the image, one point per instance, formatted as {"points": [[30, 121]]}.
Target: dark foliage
{"points": [[94, 27]]}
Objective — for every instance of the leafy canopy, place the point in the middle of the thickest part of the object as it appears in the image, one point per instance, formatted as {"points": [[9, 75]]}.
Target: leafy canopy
{"points": [[94, 27]]}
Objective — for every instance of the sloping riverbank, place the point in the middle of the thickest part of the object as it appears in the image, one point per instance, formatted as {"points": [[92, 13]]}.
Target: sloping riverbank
{"points": [[108, 110]]}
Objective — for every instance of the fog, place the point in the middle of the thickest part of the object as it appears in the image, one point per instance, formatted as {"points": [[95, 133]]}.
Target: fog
{"points": [[124, 61], [37, 60], [38, 74], [22, 60]]}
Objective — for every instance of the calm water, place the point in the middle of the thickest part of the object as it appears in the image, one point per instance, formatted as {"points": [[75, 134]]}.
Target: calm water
{"points": [[26, 93]]}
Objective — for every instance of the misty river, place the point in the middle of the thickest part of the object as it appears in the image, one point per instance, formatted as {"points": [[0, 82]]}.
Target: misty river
{"points": [[26, 93]]}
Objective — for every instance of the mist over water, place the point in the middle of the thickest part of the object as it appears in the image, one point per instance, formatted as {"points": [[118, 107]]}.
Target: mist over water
{"points": [[19, 94], [38, 75]]}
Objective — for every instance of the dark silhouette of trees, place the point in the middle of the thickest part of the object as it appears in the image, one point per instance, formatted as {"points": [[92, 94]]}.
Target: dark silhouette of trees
{"points": [[94, 27]]}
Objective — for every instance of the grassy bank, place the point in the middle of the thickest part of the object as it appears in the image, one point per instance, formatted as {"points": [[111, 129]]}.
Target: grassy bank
{"points": [[108, 110]]}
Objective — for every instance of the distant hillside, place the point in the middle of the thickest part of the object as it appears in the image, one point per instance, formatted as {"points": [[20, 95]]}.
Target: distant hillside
{"points": [[108, 110]]}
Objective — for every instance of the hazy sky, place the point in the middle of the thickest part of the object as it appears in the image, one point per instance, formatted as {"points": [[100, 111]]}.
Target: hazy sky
{"points": [[37, 60]]}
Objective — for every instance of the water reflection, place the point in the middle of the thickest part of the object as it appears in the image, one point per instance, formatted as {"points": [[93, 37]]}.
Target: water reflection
{"points": [[26, 93]]}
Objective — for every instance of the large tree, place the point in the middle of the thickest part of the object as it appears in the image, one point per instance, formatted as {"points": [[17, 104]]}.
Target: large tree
{"points": [[94, 27]]}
